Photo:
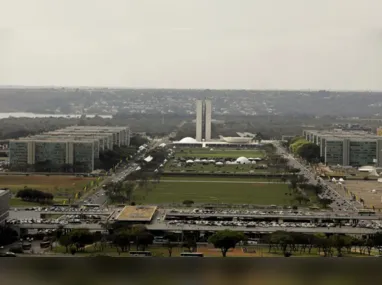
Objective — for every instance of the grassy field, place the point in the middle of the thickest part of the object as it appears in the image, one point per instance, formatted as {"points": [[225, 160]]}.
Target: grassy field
{"points": [[216, 178], [15, 202], [218, 153], [58, 185], [214, 192]]}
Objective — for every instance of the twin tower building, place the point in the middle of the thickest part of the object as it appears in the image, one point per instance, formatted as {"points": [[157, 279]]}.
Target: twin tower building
{"points": [[203, 120]]}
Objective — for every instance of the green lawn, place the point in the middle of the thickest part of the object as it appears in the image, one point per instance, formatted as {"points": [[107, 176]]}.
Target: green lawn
{"points": [[218, 153], [61, 186], [214, 192], [216, 178], [15, 202]]}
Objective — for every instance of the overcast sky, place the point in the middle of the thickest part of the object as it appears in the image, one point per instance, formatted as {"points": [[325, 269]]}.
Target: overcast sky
{"points": [[244, 44]]}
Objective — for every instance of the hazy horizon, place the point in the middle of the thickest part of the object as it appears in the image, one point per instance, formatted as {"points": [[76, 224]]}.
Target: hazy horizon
{"points": [[192, 44]]}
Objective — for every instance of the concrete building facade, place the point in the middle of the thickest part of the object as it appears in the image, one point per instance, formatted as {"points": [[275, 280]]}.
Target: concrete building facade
{"points": [[5, 196], [76, 146], [203, 120], [347, 148]]}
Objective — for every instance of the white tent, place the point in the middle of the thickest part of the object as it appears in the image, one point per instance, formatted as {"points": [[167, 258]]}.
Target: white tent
{"points": [[219, 163], [243, 160], [374, 173], [190, 161]]}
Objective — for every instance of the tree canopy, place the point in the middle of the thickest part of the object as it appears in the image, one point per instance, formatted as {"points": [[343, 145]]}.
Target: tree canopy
{"points": [[226, 240]]}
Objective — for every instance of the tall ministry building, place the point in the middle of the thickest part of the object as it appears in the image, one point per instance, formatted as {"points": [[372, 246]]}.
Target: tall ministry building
{"points": [[203, 120]]}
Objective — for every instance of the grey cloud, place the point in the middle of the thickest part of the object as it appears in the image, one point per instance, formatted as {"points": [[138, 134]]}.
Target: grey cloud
{"points": [[297, 44]]}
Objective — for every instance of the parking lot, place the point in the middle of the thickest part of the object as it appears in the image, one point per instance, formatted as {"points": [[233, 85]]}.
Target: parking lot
{"points": [[60, 209]]}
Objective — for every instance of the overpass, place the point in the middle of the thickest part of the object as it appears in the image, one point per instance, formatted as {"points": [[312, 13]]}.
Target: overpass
{"points": [[74, 213], [35, 226], [350, 217], [262, 230], [184, 227]]}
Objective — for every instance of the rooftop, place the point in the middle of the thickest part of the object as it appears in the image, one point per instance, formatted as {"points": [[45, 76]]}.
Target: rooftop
{"points": [[3, 191], [343, 134], [136, 214]]}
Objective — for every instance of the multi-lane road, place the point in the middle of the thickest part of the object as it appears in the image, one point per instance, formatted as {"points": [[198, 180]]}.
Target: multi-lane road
{"points": [[340, 203]]}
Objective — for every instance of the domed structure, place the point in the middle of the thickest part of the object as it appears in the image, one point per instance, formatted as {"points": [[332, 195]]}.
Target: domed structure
{"points": [[243, 160], [188, 140]]}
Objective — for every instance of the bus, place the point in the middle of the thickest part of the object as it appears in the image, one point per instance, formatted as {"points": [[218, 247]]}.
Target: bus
{"points": [[366, 212], [140, 253], [44, 244], [192, 254], [92, 205]]}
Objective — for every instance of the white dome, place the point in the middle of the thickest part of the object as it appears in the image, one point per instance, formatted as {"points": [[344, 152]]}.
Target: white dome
{"points": [[190, 161], [188, 140], [366, 168], [243, 160], [219, 163]]}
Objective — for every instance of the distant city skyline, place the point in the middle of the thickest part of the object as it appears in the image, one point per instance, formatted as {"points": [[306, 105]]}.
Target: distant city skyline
{"points": [[192, 44]]}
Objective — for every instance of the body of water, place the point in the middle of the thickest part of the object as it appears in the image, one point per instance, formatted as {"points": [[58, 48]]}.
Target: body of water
{"points": [[34, 115]]}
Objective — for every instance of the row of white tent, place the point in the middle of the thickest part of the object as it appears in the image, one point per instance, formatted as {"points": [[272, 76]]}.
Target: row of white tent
{"points": [[339, 180], [240, 160], [219, 162]]}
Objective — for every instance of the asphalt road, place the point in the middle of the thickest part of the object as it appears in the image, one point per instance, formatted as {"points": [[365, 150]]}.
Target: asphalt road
{"points": [[340, 203]]}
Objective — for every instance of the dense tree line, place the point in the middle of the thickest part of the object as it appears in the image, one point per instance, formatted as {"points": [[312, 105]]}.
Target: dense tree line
{"points": [[76, 240], [329, 245], [123, 237], [33, 195]]}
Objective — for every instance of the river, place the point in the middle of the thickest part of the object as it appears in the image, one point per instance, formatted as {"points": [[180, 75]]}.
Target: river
{"points": [[34, 115]]}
